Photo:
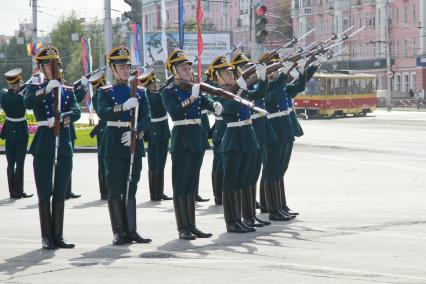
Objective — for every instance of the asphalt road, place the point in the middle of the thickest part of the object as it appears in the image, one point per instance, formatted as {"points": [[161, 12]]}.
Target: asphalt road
{"points": [[359, 184]]}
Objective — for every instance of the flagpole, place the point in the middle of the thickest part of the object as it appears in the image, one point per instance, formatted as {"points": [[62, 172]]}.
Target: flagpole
{"points": [[164, 35], [89, 45], [200, 38]]}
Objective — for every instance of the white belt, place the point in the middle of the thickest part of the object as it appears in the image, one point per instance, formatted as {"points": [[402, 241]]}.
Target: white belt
{"points": [[278, 114], [187, 122], [16, 119], [256, 115], [204, 111], [160, 118], [42, 123], [239, 123], [118, 123], [218, 118]]}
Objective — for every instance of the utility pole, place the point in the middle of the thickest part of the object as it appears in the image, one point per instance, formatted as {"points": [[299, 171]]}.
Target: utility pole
{"points": [[34, 6], [107, 35], [388, 58]]}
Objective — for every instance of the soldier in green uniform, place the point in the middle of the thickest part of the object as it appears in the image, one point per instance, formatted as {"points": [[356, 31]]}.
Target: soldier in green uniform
{"points": [[40, 98], [15, 134], [265, 135], [157, 136], [114, 107], [216, 135], [188, 141], [238, 146], [297, 131], [80, 89], [97, 81]]}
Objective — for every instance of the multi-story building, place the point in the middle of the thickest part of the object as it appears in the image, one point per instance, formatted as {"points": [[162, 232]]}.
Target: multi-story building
{"points": [[228, 16], [398, 23]]}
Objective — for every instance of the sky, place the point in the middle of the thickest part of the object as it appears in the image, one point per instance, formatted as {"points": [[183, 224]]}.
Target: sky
{"points": [[50, 11]]}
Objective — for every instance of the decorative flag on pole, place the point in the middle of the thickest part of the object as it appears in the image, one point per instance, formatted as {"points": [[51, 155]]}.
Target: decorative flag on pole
{"points": [[136, 40], [89, 98], [163, 31], [86, 60], [181, 11], [200, 16]]}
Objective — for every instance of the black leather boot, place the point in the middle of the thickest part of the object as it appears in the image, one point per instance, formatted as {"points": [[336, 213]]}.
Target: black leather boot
{"points": [[279, 189], [198, 198], [58, 225], [263, 208], [218, 186], [190, 205], [152, 185], [160, 186], [117, 221], [247, 208], [182, 218], [19, 183], [284, 206], [11, 183], [253, 201], [68, 193], [102, 184], [232, 213], [45, 224], [273, 204], [132, 235]]}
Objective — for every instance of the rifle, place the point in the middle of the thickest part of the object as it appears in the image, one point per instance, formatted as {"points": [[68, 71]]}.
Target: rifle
{"points": [[207, 88], [54, 63], [326, 47], [133, 129], [88, 75]]}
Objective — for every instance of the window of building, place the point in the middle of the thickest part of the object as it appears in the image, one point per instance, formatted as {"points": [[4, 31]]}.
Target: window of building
{"points": [[397, 83], [405, 47], [405, 14], [414, 13], [360, 21], [414, 47], [405, 83], [414, 82]]}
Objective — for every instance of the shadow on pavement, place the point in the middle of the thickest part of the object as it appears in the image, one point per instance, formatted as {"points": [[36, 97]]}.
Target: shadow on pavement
{"points": [[104, 255], [22, 262], [7, 201], [95, 203]]}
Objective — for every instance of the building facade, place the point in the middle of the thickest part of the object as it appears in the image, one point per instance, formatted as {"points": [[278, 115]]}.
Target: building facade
{"points": [[398, 24]]}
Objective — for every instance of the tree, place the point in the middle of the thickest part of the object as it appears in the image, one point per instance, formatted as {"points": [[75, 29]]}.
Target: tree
{"points": [[69, 51], [15, 56], [284, 25]]}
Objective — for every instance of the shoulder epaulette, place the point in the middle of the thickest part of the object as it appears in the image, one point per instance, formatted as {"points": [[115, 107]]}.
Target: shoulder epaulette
{"points": [[106, 87]]}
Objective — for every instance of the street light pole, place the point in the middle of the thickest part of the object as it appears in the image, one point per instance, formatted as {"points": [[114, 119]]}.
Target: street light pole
{"points": [[388, 59]]}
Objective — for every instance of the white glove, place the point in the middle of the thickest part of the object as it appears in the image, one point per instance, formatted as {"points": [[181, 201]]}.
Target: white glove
{"points": [[52, 85], [218, 109], [51, 122], [320, 59], [195, 92], [84, 82], [125, 138], [286, 67], [242, 83], [130, 103], [301, 65], [35, 80], [295, 74], [261, 71]]}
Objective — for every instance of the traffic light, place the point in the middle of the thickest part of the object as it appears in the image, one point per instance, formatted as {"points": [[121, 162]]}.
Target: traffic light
{"points": [[260, 24], [135, 15]]}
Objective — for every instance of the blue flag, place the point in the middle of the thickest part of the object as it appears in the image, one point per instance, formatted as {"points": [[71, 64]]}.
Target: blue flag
{"points": [[181, 11]]}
